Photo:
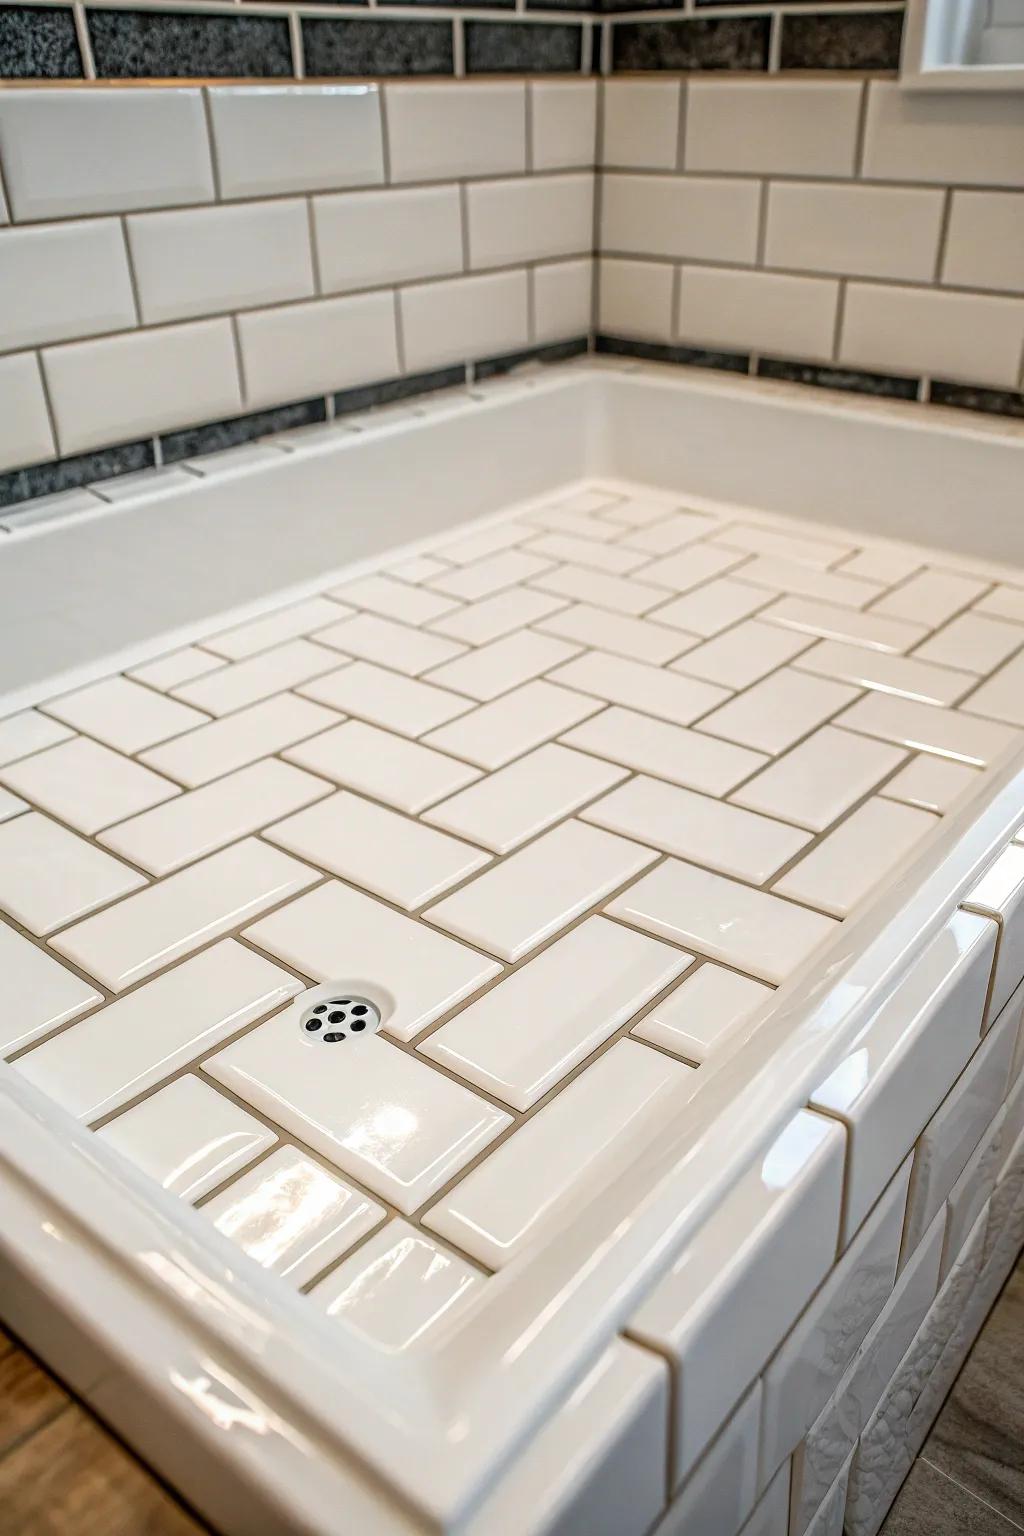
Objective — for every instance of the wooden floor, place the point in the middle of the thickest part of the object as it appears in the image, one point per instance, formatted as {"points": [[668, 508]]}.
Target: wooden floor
{"points": [[63, 1474]]}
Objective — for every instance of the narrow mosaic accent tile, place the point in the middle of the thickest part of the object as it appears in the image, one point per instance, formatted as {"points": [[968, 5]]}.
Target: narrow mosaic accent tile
{"points": [[883, 384], [966, 397], [20, 485], [865, 41], [38, 44], [720, 43], [557, 352], [134, 45], [214, 436], [364, 396], [656, 352], [504, 48], [340, 47]]}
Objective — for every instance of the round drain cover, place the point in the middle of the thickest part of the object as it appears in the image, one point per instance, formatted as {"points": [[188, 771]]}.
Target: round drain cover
{"points": [[333, 1014]]}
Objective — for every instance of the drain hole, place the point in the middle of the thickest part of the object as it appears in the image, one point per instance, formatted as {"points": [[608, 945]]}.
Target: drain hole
{"points": [[345, 1015]]}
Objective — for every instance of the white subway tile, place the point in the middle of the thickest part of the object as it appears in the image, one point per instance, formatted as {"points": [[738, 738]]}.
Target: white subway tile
{"points": [[917, 330], [641, 123], [468, 317], [699, 217], [362, 238], [198, 261], [296, 138], [402, 773], [720, 1492], [539, 216], [854, 230], [1001, 697], [25, 436], [821, 778], [562, 299], [384, 698], [793, 127], [563, 123], [905, 675], [985, 241], [103, 150], [1000, 892], [974, 642], [757, 311], [655, 692], [468, 128], [37, 994], [706, 1010], [86, 784], [129, 386], [965, 137], [48, 876], [29, 731], [671, 752], [59, 281], [854, 860], [123, 714], [510, 725], [946, 732], [257, 677], [931, 783], [502, 664], [634, 298], [308, 349]]}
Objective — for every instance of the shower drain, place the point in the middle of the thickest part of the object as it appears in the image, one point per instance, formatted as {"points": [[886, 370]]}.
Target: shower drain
{"points": [[332, 1014]]}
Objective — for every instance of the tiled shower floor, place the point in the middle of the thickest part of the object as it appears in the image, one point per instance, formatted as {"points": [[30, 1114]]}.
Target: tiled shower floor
{"points": [[566, 798]]}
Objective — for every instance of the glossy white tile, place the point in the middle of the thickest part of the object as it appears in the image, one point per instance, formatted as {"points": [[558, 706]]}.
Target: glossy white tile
{"points": [[776, 712], [831, 622], [392, 599], [975, 642], [176, 667], [372, 638], [904, 676], [62, 281], [641, 124], [932, 783], [721, 1491], [513, 724], [666, 751], [708, 1009], [1000, 894], [636, 639], [741, 656], [841, 871], [387, 767], [563, 120], [477, 623], [86, 784], [233, 742], [817, 781], [283, 624], [671, 531], [502, 664], [715, 606], [257, 677], [793, 127], [386, 698], [27, 732], [649, 689], [10, 805], [527, 218], [943, 732], [37, 994], [930, 598], [360, 237], [1000, 697], [622, 594], [295, 138], [570, 549], [48, 876], [472, 128]]}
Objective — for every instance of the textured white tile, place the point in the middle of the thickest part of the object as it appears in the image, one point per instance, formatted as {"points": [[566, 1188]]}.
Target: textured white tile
{"points": [[335, 932], [124, 714], [641, 123], [793, 127], [485, 577], [763, 311], [650, 689], [804, 581], [295, 138], [386, 698], [749, 929], [932, 783], [202, 261], [361, 237], [372, 638], [715, 606], [503, 664], [930, 598], [742, 655], [188, 1137], [905, 676], [697, 218], [972, 642], [86, 784], [25, 430], [820, 779], [516, 802], [635, 298], [60, 281], [508, 726], [468, 128], [28, 732], [283, 624], [156, 926], [257, 677], [104, 150], [975, 138], [399, 772], [944, 732], [777, 711], [133, 1043], [666, 751], [228, 744], [563, 1155], [379, 850], [971, 336], [310, 349], [534, 218], [387, 1119], [1002, 697], [393, 599], [705, 1011], [292, 1216], [198, 823], [141, 382], [854, 230], [514, 1046], [635, 638], [852, 861], [176, 667], [563, 121], [528, 897], [48, 876], [36, 994], [398, 1288], [448, 321], [831, 622], [697, 828]]}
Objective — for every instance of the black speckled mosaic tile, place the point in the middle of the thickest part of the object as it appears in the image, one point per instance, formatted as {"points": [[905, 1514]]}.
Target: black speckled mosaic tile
{"points": [[365, 396], [886, 385], [522, 48], [721, 42], [213, 436], [38, 44], [20, 485], [476, 5], [864, 41], [555, 352], [968, 397], [336, 48], [139, 45], [658, 352]]}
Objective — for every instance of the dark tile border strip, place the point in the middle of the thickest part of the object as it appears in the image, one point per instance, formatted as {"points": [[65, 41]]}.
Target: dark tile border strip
{"points": [[855, 380], [657, 352], [20, 487]]}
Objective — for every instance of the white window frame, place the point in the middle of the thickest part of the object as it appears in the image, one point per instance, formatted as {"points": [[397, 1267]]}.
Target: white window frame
{"points": [[937, 39]]}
